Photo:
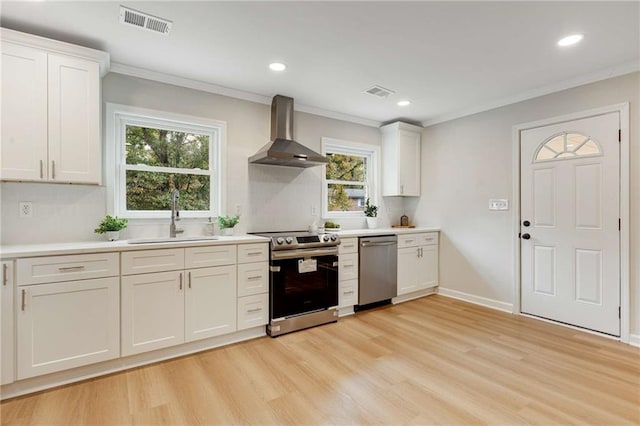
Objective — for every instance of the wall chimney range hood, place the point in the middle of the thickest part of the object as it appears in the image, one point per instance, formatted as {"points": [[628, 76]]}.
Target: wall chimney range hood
{"points": [[283, 150]]}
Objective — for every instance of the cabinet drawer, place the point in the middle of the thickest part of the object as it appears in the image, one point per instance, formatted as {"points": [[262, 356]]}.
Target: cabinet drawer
{"points": [[408, 240], [348, 266], [348, 293], [253, 253], [428, 239], [143, 261], [253, 311], [348, 245], [39, 270], [253, 278], [204, 257]]}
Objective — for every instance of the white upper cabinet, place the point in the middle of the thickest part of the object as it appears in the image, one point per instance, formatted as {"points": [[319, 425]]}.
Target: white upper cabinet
{"points": [[401, 159], [50, 110]]}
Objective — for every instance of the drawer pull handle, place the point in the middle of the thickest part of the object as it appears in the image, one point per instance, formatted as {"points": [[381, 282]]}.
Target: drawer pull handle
{"points": [[24, 295], [71, 268], [254, 253], [249, 311], [349, 292], [429, 239], [180, 280], [41, 169], [255, 277], [5, 275], [189, 279], [350, 265], [408, 241], [53, 169]]}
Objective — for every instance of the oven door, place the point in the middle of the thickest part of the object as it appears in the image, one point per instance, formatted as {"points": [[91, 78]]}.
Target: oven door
{"points": [[303, 281]]}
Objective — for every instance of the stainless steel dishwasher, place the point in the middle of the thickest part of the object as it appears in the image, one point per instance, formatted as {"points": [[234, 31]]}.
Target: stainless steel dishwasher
{"points": [[378, 270]]}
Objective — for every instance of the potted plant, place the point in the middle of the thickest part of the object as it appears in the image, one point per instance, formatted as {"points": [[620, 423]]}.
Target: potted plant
{"points": [[111, 225], [227, 223], [371, 212]]}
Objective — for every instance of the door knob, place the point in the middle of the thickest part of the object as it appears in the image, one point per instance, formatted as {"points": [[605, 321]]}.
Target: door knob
{"points": [[526, 236], [526, 223]]}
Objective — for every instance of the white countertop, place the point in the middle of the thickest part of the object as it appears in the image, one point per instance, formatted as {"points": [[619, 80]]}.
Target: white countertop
{"points": [[382, 231], [30, 250]]}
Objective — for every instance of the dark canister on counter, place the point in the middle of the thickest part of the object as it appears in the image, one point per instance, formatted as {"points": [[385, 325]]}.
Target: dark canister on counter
{"points": [[404, 220]]}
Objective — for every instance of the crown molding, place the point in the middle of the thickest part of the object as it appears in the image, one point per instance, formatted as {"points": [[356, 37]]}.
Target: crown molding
{"points": [[160, 77], [615, 71]]}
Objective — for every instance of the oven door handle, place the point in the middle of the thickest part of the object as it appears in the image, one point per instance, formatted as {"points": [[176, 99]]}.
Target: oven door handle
{"points": [[296, 254]]}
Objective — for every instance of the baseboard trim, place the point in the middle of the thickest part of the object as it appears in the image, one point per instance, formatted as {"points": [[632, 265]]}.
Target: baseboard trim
{"points": [[634, 340], [476, 300], [415, 295]]}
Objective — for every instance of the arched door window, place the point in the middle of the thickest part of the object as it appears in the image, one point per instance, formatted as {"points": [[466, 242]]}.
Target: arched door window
{"points": [[567, 145]]}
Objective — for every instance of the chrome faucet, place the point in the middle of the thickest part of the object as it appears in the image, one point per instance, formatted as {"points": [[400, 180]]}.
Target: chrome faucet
{"points": [[175, 214]]}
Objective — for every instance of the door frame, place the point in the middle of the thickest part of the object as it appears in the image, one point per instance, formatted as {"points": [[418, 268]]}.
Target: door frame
{"points": [[623, 110]]}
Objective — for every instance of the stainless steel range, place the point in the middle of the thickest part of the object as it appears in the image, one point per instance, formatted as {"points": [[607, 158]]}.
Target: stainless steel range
{"points": [[303, 282]]}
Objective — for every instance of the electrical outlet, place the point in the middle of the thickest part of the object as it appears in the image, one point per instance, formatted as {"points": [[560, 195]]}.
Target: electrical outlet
{"points": [[314, 211], [26, 209], [238, 209]]}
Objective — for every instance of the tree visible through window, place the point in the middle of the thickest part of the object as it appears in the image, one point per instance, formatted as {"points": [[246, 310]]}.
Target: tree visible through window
{"points": [[349, 177], [158, 161], [347, 182]]}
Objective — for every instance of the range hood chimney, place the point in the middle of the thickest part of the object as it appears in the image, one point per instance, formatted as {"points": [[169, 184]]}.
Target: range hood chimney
{"points": [[283, 150]]}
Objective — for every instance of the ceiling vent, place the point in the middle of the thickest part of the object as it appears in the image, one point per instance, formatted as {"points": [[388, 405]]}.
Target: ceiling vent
{"points": [[144, 21], [379, 91]]}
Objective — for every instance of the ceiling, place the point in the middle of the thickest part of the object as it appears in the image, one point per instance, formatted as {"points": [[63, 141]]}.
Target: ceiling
{"points": [[448, 58]]}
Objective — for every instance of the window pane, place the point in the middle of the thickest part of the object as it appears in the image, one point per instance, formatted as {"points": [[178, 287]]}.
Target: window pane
{"points": [[349, 198], [346, 167], [556, 144], [166, 148], [152, 190], [589, 148], [545, 154]]}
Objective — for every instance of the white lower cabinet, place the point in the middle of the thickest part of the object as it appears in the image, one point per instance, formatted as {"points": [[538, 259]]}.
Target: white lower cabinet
{"points": [[66, 325], [7, 346], [209, 302], [152, 311], [169, 308], [417, 262], [348, 273]]}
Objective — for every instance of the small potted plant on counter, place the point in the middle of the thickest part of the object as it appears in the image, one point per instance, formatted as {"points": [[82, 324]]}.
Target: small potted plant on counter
{"points": [[226, 224], [111, 225], [371, 212]]}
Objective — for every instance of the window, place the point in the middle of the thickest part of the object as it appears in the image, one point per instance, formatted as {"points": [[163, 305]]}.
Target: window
{"points": [[349, 177], [156, 152], [567, 145]]}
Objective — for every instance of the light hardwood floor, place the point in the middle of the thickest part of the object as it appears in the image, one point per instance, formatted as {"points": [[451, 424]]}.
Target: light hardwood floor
{"points": [[430, 361]]}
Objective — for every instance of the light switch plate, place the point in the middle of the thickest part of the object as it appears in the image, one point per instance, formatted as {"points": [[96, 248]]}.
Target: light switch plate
{"points": [[498, 204]]}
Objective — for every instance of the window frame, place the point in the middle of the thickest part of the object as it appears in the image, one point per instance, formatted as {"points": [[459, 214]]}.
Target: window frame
{"points": [[117, 119], [371, 152]]}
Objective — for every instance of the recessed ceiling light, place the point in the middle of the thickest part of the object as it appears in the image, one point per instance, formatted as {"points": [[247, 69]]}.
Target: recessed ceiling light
{"points": [[277, 66], [570, 40], [404, 103]]}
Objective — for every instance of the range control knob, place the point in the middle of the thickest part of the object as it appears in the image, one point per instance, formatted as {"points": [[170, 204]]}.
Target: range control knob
{"points": [[289, 240], [334, 237], [325, 238], [279, 240]]}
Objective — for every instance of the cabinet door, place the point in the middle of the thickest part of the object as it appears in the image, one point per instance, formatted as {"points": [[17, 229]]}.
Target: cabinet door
{"points": [[427, 269], [348, 293], [210, 302], [7, 365], [407, 270], [66, 325], [409, 163], [152, 311], [253, 278], [24, 113], [253, 311], [348, 264], [74, 120]]}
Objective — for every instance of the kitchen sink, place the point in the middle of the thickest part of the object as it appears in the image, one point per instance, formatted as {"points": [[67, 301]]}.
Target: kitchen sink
{"points": [[170, 240]]}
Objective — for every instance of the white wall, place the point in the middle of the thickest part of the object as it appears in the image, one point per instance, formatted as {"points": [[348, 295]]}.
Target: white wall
{"points": [[469, 160], [270, 198]]}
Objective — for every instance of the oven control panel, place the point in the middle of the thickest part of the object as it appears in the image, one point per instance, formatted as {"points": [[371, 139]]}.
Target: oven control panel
{"points": [[288, 242]]}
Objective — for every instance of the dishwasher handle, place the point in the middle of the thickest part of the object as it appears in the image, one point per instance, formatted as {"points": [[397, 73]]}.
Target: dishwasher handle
{"points": [[386, 243]]}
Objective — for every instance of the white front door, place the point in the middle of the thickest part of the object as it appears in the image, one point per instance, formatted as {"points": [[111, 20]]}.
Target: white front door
{"points": [[570, 244]]}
